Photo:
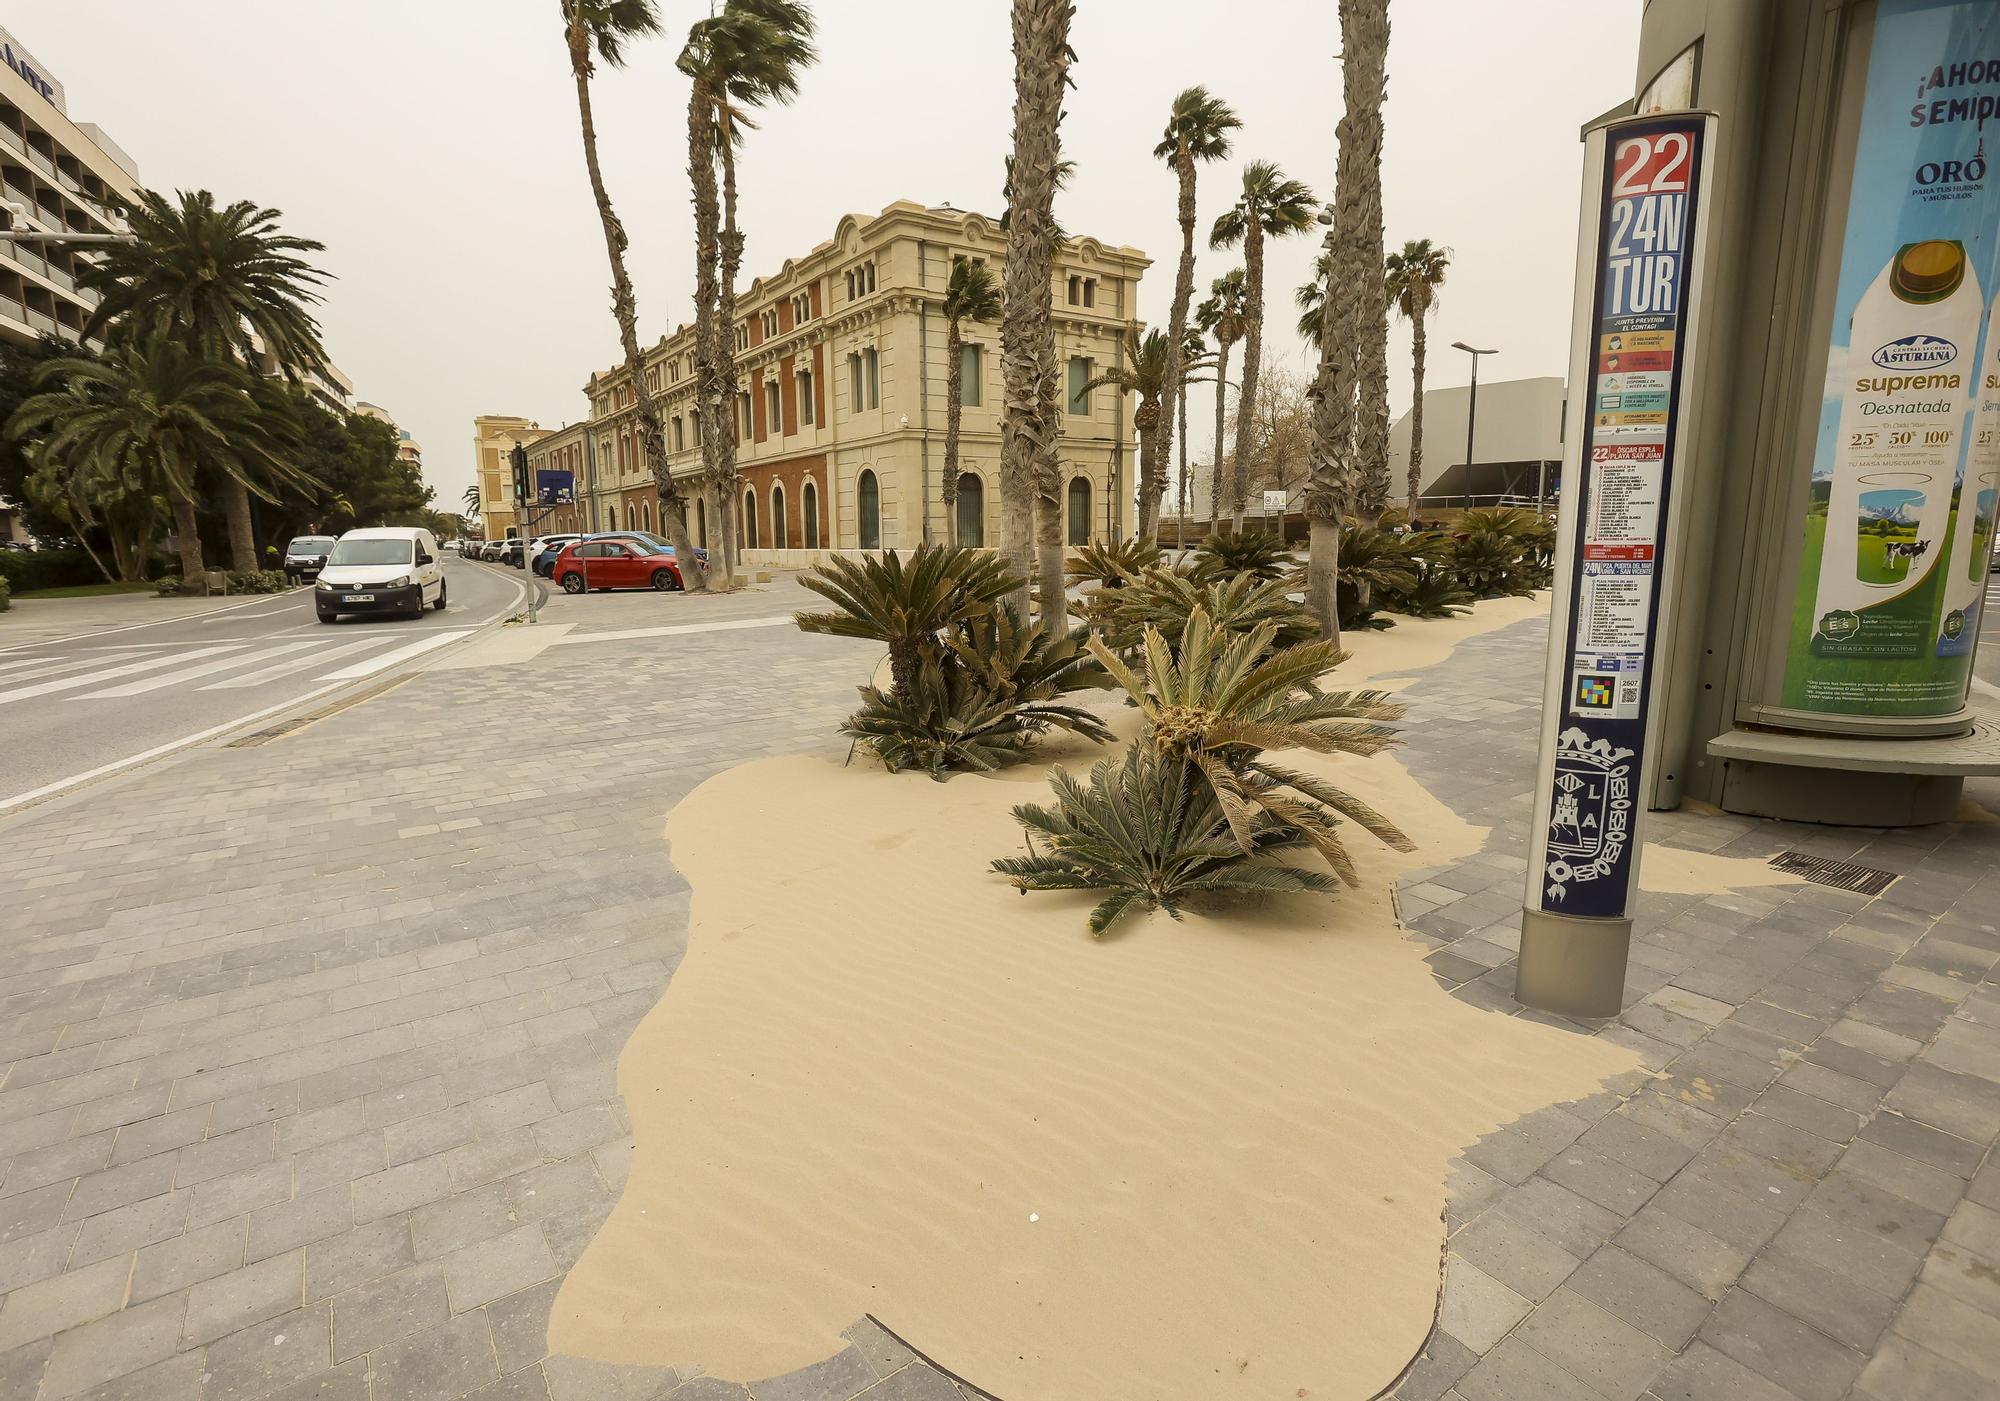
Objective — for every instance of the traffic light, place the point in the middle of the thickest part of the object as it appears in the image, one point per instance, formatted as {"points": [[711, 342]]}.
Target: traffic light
{"points": [[518, 459]]}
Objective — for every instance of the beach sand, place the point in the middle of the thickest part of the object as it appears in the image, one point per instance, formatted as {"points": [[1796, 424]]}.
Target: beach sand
{"points": [[1199, 1159]]}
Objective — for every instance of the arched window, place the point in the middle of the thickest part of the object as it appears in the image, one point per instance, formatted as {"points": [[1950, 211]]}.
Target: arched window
{"points": [[701, 524], [810, 501], [971, 509], [648, 509], [1079, 511], [868, 503], [778, 538], [749, 520], [614, 517]]}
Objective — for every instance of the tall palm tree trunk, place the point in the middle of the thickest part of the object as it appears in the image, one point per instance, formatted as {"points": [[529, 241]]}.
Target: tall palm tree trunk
{"points": [[718, 409], [624, 308], [1371, 353], [1418, 346], [1215, 482], [187, 537], [1177, 319], [1253, 355], [954, 414], [1027, 346], [1150, 423], [731, 250], [1181, 494], [1364, 28], [242, 539]]}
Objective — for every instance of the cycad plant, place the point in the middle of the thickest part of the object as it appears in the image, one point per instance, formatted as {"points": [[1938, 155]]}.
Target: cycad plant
{"points": [[905, 602], [1151, 831], [1437, 593], [1222, 700], [1257, 553], [1111, 564], [1163, 600], [1488, 563], [1374, 566]]}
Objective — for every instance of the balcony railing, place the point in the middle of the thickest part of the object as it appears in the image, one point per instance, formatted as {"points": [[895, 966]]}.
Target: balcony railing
{"points": [[46, 165], [9, 307], [41, 320], [13, 140]]}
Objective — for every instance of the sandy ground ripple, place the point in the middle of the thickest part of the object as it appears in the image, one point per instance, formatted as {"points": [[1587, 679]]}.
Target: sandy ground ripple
{"points": [[1193, 1160]]}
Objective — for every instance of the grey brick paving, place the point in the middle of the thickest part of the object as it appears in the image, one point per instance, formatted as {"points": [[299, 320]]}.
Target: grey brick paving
{"points": [[1797, 1205], [310, 1055]]}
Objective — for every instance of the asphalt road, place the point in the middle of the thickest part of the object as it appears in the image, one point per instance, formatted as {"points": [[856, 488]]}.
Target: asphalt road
{"points": [[77, 708]]}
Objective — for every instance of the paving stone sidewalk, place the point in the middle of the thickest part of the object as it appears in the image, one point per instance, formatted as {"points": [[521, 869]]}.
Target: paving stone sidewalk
{"points": [[1802, 1203], [310, 1051]]}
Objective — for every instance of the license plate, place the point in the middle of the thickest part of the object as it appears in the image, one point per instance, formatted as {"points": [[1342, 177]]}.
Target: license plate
{"points": [[357, 598]]}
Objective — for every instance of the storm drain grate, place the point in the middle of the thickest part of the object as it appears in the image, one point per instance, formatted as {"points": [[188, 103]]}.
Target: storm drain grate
{"points": [[1841, 875]]}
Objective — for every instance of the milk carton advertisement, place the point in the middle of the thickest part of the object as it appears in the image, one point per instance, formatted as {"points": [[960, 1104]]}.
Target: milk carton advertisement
{"points": [[1903, 477]]}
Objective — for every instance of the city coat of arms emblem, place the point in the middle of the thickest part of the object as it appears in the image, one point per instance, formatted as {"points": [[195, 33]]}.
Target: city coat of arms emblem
{"points": [[1590, 817]]}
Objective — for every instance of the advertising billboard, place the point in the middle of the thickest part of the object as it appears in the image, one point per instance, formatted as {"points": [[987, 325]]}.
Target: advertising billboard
{"points": [[1900, 514]]}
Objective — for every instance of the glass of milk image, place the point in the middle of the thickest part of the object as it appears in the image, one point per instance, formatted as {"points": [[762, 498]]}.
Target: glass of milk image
{"points": [[1910, 363], [1885, 534]]}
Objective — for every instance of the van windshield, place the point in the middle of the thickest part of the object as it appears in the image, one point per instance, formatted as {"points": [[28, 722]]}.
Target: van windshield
{"points": [[376, 551], [310, 545]]}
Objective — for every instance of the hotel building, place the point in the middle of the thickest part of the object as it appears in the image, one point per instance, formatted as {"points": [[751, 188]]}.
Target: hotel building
{"points": [[58, 174], [840, 358]]}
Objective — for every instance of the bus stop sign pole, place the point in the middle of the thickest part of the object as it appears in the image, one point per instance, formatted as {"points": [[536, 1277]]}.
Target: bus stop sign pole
{"points": [[1634, 334]]}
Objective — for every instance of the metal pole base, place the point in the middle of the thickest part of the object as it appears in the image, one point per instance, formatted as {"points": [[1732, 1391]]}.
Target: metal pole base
{"points": [[1572, 967]]}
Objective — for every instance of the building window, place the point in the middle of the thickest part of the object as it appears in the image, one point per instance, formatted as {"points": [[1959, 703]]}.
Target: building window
{"points": [[968, 375], [680, 433], [1075, 291], [971, 509], [774, 424], [778, 540], [860, 280], [1090, 291], [802, 308], [1079, 385], [809, 499], [647, 510], [865, 379], [868, 506], [805, 396], [746, 426], [743, 337], [749, 519], [614, 517], [770, 320], [1079, 511]]}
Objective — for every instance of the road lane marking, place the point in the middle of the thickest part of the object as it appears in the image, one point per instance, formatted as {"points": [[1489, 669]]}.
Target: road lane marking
{"points": [[193, 673], [401, 654], [50, 666], [48, 790], [71, 683], [292, 664]]}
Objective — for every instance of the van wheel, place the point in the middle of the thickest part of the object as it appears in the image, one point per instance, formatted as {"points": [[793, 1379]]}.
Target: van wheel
{"points": [[439, 605], [572, 583], [326, 617]]}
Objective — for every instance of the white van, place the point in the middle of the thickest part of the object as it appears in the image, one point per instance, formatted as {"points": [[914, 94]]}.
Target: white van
{"points": [[393, 569]]}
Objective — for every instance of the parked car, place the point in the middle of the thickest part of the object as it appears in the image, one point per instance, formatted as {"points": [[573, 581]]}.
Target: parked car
{"points": [[305, 556], [542, 552], [510, 552], [394, 569], [659, 542], [615, 562]]}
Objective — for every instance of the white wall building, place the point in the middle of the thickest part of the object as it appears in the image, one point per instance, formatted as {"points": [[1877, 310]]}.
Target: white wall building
{"points": [[1517, 447]]}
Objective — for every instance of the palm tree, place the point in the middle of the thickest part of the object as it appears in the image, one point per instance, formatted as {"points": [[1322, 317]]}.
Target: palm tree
{"points": [[1029, 426], [748, 55], [1411, 278], [1310, 299], [1353, 285], [156, 417], [1222, 316], [471, 499], [600, 29], [226, 284], [1145, 372], [1194, 355], [1198, 128], [970, 295], [1271, 206]]}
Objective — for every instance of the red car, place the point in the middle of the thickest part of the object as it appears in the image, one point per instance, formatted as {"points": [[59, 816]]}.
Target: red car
{"points": [[615, 562]]}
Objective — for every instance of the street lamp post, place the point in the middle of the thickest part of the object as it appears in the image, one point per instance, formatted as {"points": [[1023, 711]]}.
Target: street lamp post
{"points": [[1471, 413]]}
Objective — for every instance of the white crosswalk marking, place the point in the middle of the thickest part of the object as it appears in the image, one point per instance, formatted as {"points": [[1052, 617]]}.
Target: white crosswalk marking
{"points": [[194, 673], [292, 664], [389, 659], [45, 666], [71, 683]]}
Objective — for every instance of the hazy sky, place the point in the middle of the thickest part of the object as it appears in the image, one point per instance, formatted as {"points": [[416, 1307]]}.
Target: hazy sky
{"points": [[432, 146]]}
